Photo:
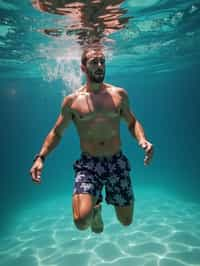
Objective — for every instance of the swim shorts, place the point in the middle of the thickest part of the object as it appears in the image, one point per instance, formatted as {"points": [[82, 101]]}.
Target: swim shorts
{"points": [[93, 173]]}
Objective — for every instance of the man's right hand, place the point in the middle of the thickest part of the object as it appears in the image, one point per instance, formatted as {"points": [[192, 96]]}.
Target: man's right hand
{"points": [[36, 170]]}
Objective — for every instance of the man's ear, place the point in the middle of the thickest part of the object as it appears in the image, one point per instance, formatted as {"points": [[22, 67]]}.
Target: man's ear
{"points": [[83, 68]]}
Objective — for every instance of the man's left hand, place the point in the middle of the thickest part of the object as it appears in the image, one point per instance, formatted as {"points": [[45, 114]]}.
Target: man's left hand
{"points": [[148, 147]]}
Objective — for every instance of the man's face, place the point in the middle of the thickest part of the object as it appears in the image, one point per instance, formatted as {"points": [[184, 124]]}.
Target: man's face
{"points": [[95, 66]]}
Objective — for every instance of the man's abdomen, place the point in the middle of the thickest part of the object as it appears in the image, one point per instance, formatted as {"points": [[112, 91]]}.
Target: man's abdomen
{"points": [[102, 146]]}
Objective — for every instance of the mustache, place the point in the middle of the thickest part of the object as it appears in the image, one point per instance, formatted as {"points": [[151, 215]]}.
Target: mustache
{"points": [[99, 72]]}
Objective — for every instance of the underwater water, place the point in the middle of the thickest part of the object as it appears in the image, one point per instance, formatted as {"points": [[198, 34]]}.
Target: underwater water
{"points": [[155, 57]]}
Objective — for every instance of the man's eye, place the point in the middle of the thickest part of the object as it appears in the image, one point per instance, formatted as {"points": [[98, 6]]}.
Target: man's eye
{"points": [[95, 61]]}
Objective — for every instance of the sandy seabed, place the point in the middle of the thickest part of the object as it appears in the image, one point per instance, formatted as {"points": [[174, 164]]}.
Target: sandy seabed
{"points": [[165, 232]]}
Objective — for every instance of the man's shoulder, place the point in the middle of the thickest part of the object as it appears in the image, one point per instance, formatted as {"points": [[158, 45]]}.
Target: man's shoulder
{"points": [[118, 90], [68, 99]]}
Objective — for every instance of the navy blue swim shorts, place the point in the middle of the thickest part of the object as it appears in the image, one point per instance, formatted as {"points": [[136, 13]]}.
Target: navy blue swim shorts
{"points": [[92, 173]]}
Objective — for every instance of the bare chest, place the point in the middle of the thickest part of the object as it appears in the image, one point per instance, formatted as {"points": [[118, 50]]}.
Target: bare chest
{"points": [[101, 106]]}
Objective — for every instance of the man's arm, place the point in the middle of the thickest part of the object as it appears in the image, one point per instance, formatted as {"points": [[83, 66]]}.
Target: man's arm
{"points": [[135, 127], [56, 133], [52, 139]]}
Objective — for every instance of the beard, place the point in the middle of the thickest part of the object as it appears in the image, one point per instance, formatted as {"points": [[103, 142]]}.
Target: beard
{"points": [[97, 78]]}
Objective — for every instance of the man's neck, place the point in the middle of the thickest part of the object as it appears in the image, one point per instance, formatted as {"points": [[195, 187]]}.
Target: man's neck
{"points": [[94, 87]]}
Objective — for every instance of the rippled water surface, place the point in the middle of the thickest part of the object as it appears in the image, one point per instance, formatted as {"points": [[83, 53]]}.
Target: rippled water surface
{"points": [[37, 37]]}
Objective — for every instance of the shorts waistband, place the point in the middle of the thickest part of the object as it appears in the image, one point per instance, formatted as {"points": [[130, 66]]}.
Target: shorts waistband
{"points": [[89, 156]]}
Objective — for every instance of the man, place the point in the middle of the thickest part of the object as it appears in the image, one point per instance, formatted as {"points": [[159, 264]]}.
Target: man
{"points": [[96, 110]]}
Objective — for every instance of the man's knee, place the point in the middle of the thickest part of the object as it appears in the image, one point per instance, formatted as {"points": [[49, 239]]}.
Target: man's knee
{"points": [[82, 223], [125, 214], [82, 210], [126, 221]]}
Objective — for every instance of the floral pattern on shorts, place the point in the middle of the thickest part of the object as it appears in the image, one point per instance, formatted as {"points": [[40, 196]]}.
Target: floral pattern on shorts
{"points": [[93, 173]]}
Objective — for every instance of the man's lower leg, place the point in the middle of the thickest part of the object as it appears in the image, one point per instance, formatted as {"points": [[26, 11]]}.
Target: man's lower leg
{"points": [[97, 225]]}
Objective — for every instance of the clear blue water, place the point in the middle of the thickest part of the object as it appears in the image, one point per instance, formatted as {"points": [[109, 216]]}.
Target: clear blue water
{"points": [[156, 59]]}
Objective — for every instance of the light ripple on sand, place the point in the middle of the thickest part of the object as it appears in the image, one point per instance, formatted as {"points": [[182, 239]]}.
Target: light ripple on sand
{"points": [[75, 259], [150, 247], [22, 261], [177, 247], [162, 231], [124, 262], [108, 251], [167, 234], [90, 244], [45, 253], [70, 246], [135, 238], [188, 257], [186, 238], [171, 262]]}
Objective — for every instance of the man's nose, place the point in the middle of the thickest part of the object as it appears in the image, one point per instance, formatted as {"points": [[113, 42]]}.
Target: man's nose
{"points": [[100, 64]]}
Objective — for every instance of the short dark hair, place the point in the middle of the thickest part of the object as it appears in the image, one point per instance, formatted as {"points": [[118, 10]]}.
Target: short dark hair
{"points": [[86, 51], [84, 56]]}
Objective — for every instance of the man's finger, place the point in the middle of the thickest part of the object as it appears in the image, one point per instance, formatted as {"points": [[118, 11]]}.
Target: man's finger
{"points": [[36, 180], [144, 146], [35, 176], [38, 175], [149, 150], [149, 153], [146, 162], [147, 159], [32, 173]]}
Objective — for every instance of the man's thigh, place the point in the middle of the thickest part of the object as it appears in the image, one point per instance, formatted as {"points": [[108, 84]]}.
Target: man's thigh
{"points": [[125, 214], [82, 205]]}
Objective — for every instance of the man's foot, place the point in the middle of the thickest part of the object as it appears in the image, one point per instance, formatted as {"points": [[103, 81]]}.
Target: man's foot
{"points": [[97, 225]]}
